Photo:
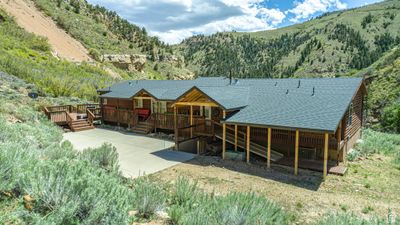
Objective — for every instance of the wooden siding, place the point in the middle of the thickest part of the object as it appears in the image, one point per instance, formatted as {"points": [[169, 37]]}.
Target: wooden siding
{"points": [[352, 131]]}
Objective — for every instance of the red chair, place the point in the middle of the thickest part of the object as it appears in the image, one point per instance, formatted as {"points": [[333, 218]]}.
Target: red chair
{"points": [[143, 113]]}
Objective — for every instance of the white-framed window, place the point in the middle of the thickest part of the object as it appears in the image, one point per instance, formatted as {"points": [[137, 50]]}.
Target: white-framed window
{"points": [[207, 112], [139, 103], [104, 101], [350, 115]]}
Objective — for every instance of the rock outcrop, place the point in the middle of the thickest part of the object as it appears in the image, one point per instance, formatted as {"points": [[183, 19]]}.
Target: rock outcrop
{"points": [[132, 63]]}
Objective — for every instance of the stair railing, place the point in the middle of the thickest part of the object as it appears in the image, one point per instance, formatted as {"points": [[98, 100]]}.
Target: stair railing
{"points": [[91, 116]]}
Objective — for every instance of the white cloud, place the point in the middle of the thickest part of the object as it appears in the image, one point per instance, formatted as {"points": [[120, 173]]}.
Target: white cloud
{"points": [[174, 20], [307, 8]]}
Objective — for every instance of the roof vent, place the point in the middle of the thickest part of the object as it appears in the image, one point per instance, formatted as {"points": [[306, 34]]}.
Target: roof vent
{"points": [[235, 81], [276, 83], [313, 91], [130, 83], [287, 91], [298, 86]]}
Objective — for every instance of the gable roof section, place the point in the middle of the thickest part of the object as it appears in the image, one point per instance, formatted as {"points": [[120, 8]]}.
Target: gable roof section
{"points": [[284, 104], [227, 97], [160, 89]]}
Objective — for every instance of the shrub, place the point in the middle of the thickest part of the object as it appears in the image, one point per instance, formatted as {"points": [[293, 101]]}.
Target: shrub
{"points": [[148, 197], [353, 155], [184, 191], [351, 219], [377, 142], [391, 118], [236, 208], [105, 157], [15, 160], [71, 192]]}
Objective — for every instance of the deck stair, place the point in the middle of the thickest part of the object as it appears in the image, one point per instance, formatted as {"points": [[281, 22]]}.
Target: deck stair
{"points": [[80, 125], [254, 147], [142, 128]]}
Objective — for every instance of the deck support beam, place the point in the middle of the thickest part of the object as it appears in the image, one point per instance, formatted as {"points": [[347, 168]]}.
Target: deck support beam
{"points": [[248, 145], [236, 137], [296, 153], [223, 135], [176, 128], [326, 145], [269, 148]]}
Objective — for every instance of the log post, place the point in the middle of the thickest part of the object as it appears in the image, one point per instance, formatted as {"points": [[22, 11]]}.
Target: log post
{"points": [[223, 135], [296, 153], [248, 145], [326, 145], [236, 137], [269, 148]]}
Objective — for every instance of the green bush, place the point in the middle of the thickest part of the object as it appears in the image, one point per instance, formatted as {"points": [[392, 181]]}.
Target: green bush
{"points": [[184, 191], [15, 160], [71, 192], [236, 208], [105, 157], [351, 219], [353, 155], [148, 197], [391, 118], [378, 142]]}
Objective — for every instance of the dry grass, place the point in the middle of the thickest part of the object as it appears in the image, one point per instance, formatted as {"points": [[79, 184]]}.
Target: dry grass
{"points": [[370, 187]]}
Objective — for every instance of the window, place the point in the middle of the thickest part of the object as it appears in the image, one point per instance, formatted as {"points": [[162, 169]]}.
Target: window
{"points": [[104, 101], [350, 115]]}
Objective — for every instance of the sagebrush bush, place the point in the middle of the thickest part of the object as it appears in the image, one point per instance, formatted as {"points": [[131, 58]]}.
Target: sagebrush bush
{"points": [[184, 191], [351, 219], [15, 160], [236, 208], [149, 197], [75, 191], [105, 157], [378, 142]]}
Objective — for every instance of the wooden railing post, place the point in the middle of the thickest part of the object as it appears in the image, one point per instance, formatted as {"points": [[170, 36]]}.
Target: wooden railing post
{"points": [[236, 137]]}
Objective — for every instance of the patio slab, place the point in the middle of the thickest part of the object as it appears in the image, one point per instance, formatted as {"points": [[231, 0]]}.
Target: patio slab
{"points": [[138, 154]]}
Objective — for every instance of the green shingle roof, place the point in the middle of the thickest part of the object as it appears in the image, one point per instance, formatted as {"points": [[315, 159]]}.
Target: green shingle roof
{"points": [[280, 103]]}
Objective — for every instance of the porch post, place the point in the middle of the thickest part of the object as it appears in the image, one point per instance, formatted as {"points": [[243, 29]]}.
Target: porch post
{"points": [[248, 145], [236, 134], [269, 148], [176, 128], [191, 121], [223, 135], [296, 153], [326, 145], [339, 139]]}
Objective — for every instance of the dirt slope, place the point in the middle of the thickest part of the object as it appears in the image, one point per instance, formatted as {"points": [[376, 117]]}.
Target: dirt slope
{"points": [[32, 20]]}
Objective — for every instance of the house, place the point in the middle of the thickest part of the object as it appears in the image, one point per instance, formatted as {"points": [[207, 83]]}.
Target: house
{"points": [[309, 123]]}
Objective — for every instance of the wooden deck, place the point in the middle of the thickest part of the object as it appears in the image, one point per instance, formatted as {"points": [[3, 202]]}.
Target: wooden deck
{"points": [[314, 165]]}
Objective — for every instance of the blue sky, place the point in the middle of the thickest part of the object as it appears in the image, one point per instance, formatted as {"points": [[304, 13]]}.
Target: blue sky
{"points": [[174, 20]]}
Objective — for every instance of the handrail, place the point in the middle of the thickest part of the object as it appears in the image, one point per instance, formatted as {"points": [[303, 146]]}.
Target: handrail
{"points": [[69, 119], [91, 116]]}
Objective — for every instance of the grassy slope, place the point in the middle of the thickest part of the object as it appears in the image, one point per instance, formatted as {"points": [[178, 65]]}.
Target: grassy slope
{"points": [[95, 33], [319, 28], [28, 57]]}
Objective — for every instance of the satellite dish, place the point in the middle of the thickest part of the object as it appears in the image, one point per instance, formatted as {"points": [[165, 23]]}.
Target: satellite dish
{"points": [[33, 95]]}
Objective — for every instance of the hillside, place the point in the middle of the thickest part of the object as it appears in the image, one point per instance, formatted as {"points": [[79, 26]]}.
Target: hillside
{"points": [[104, 32], [32, 20], [333, 44]]}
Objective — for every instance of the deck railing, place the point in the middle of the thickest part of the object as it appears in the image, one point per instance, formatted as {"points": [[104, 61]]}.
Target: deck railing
{"points": [[59, 114]]}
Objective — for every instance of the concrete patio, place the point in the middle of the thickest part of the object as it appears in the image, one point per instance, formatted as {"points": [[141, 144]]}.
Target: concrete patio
{"points": [[138, 154]]}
